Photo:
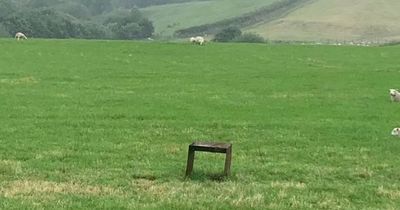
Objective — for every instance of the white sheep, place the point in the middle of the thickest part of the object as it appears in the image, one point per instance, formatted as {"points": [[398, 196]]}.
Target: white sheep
{"points": [[197, 40], [394, 95], [200, 40], [20, 35], [193, 40], [396, 132]]}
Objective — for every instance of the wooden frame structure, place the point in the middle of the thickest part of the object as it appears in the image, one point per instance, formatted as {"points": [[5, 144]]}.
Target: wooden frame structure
{"points": [[209, 147]]}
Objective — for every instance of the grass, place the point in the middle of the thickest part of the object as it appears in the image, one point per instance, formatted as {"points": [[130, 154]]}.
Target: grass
{"points": [[106, 125], [318, 20], [336, 20], [169, 18]]}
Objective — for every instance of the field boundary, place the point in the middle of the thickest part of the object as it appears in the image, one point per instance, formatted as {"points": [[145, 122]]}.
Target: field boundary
{"points": [[266, 14]]}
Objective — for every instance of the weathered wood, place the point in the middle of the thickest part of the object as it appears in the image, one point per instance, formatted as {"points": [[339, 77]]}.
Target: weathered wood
{"points": [[190, 162], [209, 147], [228, 160]]}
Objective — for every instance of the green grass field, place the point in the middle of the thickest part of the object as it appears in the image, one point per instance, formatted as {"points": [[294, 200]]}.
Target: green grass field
{"points": [[169, 18], [314, 20], [336, 20], [106, 125]]}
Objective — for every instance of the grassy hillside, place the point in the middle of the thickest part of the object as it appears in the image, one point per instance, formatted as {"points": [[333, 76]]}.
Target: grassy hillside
{"points": [[314, 20], [169, 18], [337, 20], [106, 125]]}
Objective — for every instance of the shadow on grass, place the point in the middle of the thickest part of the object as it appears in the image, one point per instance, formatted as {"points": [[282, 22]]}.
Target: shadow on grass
{"points": [[204, 176], [144, 176]]}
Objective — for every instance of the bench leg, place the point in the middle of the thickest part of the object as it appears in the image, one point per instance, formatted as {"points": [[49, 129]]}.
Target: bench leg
{"points": [[228, 160], [190, 161]]}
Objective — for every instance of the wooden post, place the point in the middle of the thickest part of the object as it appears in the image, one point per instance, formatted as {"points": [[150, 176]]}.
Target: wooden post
{"points": [[209, 147], [228, 160], [190, 161]]}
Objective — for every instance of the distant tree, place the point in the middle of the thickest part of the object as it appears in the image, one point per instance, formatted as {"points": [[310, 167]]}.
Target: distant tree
{"points": [[92, 31], [228, 34], [15, 23], [52, 24], [7, 8], [130, 26], [75, 9], [147, 28], [3, 31], [48, 23], [75, 18], [98, 7]]}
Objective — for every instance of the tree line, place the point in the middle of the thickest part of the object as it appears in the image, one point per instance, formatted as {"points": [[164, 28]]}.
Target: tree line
{"points": [[91, 19], [267, 13]]}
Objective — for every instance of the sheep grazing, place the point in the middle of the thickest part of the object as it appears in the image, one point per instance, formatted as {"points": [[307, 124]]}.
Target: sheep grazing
{"points": [[396, 132], [197, 40], [394, 95], [20, 35]]}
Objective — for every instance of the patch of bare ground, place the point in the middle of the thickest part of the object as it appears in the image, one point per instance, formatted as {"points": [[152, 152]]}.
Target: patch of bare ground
{"points": [[40, 188], [29, 80]]}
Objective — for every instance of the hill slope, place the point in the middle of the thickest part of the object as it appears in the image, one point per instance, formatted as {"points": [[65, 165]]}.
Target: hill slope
{"points": [[337, 20], [169, 18], [312, 20]]}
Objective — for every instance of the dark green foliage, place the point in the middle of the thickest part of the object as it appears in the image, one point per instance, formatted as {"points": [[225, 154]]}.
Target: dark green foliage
{"points": [[249, 38], [3, 31], [48, 23], [131, 26], [73, 19], [98, 6], [75, 9], [6, 9], [228, 34], [90, 30], [14, 24]]}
